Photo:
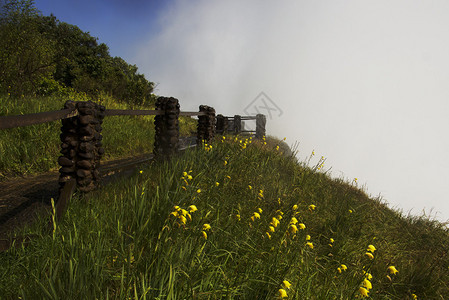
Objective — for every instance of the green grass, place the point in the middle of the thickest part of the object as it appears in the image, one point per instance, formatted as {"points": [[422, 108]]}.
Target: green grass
{"points": [[139, 239], [33, 149]]}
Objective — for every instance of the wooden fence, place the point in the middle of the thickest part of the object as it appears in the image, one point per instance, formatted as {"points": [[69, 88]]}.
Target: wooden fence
{"points": [[81, 139]]}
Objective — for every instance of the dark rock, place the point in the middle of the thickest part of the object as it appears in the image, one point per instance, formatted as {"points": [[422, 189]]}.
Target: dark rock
{"points": [[88, 155], [84, 164], [65, 162], [84, 173]]}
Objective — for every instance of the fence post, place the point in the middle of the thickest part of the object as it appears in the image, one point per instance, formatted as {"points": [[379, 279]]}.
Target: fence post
{"points": [[220, 126], [261, 121], [81, 145], [237, 124], [166, 141], [69, 139], [206, 124], [226, 125]]}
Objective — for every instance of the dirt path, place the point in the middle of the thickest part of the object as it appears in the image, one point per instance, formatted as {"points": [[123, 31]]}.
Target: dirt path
{"points": [[23, 199]]}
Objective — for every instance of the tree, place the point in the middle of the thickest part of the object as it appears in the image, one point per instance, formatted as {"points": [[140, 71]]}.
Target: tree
{"points": [[26, 55]]}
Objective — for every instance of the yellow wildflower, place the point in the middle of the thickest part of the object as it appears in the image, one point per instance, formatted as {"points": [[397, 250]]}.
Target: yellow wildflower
{"points": [[184, 212], [237, 216], [295, 207], [312, 207], [183, 219], [332, 240], [204, 234], [310, 244], [307, 237], [286, 284], [344, 267], [363, 292], [302, 226], [225, 162], [277, 148], [250, 187], [192, 208], [275, 222], [175, 213], [268, 235], [282, 293], [176, 207], [368, 275], [140, 171], [256, 215], [184, 174], [198, 191], [184, 188], [293, 228], [392, 270], [206, 226], [339, 270], [414, 296], [367, 284], [370, 255], [189, 177], [271, 228], [350, 211], [371, 248], [293, 220], [260, 210]]}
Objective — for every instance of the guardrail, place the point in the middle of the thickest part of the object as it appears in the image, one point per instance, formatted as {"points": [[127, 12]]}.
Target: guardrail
{"points": [[81, 138]]}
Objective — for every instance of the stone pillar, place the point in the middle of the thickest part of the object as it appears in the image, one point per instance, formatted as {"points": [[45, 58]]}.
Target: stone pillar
{"points": [[226, 125], [237, 124], [166, 140], [82, 146], [69, 146], [90, 146], [206, 124], [220, 126], [261, 121]]}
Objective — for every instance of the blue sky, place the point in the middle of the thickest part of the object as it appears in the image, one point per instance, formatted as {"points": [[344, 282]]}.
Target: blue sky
{"points": [[117, 23], [362, 83]]}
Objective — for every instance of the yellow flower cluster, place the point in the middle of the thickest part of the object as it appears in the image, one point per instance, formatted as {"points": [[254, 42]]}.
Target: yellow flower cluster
{"points": [[186, 177], [255, 216], [182, 214], [207, 147], [342, 268], [206, 227], [244, 143], [282, 292], [370, 251], [366, 286]]}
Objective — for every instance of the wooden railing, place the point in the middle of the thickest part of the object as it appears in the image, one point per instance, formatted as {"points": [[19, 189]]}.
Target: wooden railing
{"points": [[81, 138]]}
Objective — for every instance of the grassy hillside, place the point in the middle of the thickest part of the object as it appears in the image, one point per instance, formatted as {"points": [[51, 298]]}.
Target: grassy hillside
{"points": [[33, 149], [235, 220]]}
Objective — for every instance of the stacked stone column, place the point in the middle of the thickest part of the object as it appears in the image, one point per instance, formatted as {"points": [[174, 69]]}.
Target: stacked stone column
{"points": [[237, 124], [206, 124], [81, 146], [166, 141], [261, 121], [222, 125]]}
